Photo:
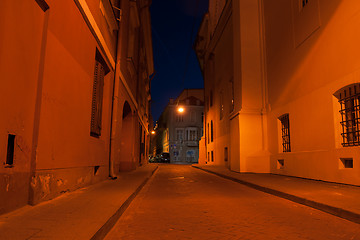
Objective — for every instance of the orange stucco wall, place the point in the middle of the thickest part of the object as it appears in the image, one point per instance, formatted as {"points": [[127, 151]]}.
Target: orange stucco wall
{"points": [[303, 75], [20, 47], [47, 62]]}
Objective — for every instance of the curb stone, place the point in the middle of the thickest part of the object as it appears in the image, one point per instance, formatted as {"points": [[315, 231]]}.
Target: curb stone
{"points": [[339, 212]]}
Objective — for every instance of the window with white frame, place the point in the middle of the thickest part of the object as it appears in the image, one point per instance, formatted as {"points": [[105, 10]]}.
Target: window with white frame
{"points": [[179, 134], [192, 135]]}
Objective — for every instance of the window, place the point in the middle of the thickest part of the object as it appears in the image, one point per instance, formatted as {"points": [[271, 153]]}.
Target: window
{"points": [[232, 95], [42, 4], [346, 163], [349, 99], [179, 117], [285, 132], [226, 154], [208, 133], [280, 164], [212, 131], [179, 134], [212, 156], [132, 30], [192, 135], [10, 150], [303, 3], [100, 71], [221, 105]]}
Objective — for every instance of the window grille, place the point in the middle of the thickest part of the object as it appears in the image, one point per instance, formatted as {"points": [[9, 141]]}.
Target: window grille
{"points": [[285, 132], [349, 99]]}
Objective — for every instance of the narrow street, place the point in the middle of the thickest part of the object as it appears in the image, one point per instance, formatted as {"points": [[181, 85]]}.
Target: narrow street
{"points": [[181, 202]]}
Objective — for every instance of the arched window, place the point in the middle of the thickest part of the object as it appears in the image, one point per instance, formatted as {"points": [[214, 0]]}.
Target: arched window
{"points": [[349, 99]]}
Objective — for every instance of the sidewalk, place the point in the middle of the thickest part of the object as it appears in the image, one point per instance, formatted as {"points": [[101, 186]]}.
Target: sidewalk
{"points": [[87, 213], [337, 199]]}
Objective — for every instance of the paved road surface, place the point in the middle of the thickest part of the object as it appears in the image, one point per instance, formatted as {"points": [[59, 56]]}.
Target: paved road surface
{"points": [[181, 202]]}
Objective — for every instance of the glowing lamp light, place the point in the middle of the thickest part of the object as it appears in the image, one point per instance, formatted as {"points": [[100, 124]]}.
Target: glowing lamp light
{"points": [[152, 132], [181, 109]]}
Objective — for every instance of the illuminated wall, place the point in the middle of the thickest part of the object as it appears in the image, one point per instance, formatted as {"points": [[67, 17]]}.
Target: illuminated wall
{"points": [[57, 120], [289, 59]]}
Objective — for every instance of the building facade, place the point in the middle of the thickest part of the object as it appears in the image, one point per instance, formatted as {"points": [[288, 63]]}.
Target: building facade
{"points": [[179, 132], [281, 87], [75, 83]]}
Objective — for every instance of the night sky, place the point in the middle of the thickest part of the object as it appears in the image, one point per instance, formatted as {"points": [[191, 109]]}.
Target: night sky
{"points": [[175, 61]]}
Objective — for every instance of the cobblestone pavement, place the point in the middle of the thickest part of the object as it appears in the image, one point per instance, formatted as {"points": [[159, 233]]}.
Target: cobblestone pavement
{"points": [[181, 202]]}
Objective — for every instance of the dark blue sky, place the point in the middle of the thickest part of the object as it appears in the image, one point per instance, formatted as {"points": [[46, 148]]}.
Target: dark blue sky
{"points": [[172, 24]]}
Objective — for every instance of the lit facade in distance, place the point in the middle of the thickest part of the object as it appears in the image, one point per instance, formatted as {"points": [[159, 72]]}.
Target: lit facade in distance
{"points": [[180, 127]]}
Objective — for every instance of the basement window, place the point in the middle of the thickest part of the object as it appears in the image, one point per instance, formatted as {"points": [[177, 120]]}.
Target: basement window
{"points": [[10, 150], [280, 164], [346, 163], [349, 99], [96, 169]]}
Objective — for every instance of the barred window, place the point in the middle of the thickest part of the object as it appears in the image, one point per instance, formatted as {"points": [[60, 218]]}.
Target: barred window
{"points": [[285, 132], [349, 99]]}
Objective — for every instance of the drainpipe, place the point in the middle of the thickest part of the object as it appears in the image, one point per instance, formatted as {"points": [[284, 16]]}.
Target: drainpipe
{"points": [[113, 120], [114, 107]]}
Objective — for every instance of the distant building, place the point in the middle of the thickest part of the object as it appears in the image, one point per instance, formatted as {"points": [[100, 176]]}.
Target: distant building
{"points": [[75, 92], [178, 133], [282, 87]]}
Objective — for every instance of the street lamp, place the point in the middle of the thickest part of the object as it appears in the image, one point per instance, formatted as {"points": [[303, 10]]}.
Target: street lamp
{"points": [[180, 109], [153, 132]]}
